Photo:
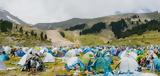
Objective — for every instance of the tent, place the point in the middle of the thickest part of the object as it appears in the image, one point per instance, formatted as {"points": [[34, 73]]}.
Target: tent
{"points": [[72, 62], [20, 53], [2, 66], [72, 53], [7, 49], [101, 65], [86, 57], [43, 50], [157, 64], [127, 53], [128, 64], [4, 57], [24, 59], [49, 58], [139, 52]]}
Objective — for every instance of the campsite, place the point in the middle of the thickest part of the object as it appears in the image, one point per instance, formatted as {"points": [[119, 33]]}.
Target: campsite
{"points": [[96, 60], [79, 37]]}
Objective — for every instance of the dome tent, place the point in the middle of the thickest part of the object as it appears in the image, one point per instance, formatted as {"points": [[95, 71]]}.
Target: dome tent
{"points": [[86, 57], [20, 53], [157, 64], [128, 63], [26, 57], [72, 62], [49, 58], [72, 53], [4, 57], [101, 65], [7, 49]]}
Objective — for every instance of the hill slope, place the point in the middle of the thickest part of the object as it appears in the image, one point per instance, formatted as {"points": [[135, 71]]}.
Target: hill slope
{"points": [[21, 35], [57, 40], [5, 15], [102, 30]]}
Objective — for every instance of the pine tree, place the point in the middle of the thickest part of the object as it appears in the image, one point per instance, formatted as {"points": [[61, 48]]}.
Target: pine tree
{"points": [[35, 34], [45, 37], [41, 36], [26, 33], [21, 30], [32, 33]]}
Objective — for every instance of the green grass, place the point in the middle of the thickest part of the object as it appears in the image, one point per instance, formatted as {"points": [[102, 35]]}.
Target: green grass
{"points": [[22, 40], [90, 39], [148, 38]]}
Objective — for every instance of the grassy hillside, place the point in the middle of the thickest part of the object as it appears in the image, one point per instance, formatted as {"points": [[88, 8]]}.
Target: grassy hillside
{"points": [[21, 35], [89, 39], [152, 37], [147, 38]]}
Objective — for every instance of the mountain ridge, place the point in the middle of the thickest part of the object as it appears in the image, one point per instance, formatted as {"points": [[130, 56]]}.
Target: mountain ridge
{"points": [[5, 15], [91, 21]]}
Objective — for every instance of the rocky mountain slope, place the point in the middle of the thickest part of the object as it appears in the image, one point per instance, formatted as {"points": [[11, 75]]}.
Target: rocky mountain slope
{"points": [[5, 15]]}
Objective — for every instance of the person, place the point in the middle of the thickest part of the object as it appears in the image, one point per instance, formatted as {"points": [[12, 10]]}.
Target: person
{"points": [[151, 63], [33, 64], [13, 52], [28, 65]]}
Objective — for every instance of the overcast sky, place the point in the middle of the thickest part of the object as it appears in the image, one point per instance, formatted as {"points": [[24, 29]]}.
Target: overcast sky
{"points": [[42, 11]]}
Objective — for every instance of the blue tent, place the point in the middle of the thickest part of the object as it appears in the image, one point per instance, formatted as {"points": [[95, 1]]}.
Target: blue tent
{"points": [[20, 53], [4, 57], [101, 65], [139, 52], [157, 64]]}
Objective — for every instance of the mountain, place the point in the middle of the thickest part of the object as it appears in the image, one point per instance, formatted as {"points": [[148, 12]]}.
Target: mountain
{"points": [[90, 22], [5, 15], [21, 35], [14, 31], [63, 24], [103, 30]]}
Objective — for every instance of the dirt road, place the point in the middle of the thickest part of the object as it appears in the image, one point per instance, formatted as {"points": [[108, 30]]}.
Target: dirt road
{"points": [[57, 39]]}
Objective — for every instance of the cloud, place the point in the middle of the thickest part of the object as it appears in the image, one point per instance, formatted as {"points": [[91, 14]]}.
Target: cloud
{"points": [[35, 11]]}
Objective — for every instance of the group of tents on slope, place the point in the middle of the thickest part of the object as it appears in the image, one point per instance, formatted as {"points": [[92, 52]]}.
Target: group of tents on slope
{"points": [[29, 57], [95, 60]]}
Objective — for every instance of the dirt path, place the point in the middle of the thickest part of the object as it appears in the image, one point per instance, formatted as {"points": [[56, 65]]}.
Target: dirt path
{"points": [[57, 39]]}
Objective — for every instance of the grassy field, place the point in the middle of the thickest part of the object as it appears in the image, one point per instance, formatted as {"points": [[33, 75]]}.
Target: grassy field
{"points": [[148, 38], [85, 40], [21, 40]]}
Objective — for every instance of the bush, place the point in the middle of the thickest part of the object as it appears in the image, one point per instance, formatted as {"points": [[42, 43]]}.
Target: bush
{"points": [[62, 33]]}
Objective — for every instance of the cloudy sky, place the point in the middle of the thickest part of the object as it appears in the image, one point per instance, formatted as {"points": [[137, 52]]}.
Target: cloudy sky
{"points": [[42, 11]]}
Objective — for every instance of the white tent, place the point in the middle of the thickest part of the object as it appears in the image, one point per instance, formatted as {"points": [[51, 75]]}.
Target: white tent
{"points": [[7, 49], [49, 58], [71, 61], [72, 53], [2, 66], [24, 59], [128, 63], [43, 50]]}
